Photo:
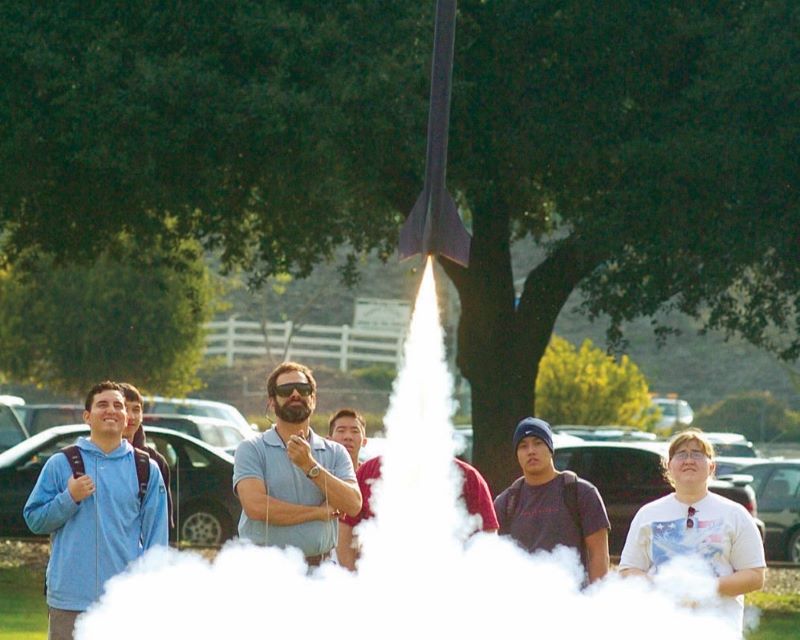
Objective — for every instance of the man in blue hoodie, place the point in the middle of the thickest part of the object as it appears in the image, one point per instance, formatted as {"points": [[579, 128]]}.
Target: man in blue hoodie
{"points": [[98, 522]]}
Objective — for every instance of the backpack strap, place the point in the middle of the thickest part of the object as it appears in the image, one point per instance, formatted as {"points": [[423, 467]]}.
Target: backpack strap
{"points": [[570, 480], [75, 460], [142, 459], [512, 504], [142, 471]]}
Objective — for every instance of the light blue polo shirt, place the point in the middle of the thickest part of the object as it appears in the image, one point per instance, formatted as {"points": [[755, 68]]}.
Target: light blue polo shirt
{"points": [[265, 458]]}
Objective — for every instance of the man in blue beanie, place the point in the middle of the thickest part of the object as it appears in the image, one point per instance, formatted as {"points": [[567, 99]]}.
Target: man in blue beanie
{"points": [[546, 508]]}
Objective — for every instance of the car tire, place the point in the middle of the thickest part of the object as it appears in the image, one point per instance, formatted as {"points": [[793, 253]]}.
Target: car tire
{"points": [[205, 526], [793, 548]]}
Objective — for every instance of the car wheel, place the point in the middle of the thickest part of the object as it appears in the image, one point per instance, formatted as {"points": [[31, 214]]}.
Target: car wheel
{"points": [[793, 548], [204, 525]]}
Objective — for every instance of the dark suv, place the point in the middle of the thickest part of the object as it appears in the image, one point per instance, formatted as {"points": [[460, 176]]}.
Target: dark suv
{"points": [[629, 475]]}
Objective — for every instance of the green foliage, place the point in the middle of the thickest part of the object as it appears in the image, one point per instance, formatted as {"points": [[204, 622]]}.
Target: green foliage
{"points": [[23, 611], [756, 415], [587, 386], [775, 603], [135, 314], [378, 376]]}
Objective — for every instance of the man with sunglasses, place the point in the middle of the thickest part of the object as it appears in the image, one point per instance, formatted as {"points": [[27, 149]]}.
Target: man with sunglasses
{"points": [[695, 522], [292, 483]]}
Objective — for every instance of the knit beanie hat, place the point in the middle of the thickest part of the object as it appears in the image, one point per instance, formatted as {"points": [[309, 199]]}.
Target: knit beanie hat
{"points": [[533, 427]]}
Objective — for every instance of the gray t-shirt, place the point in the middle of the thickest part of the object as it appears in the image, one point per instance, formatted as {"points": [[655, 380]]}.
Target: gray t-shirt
{"points": [[542, 520], [265, 458]]}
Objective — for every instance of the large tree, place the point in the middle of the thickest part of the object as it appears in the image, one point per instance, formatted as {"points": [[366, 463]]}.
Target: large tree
{"points": [[651, 148], [133, 314]]}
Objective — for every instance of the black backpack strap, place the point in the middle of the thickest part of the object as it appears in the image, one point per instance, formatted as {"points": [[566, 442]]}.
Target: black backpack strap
{"points": [[142, 458], [512, 504], [75, 460], [142, 471], [570, 480]]}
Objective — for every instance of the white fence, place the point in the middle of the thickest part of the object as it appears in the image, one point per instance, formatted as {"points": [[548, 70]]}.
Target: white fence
{"points": [[309, 342]]}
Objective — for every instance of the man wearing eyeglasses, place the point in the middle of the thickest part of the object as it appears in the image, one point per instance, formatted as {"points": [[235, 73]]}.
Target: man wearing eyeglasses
{"points": [[292, 483]]}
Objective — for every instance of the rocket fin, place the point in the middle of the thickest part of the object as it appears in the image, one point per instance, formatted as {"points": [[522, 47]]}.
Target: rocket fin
{"points": [[451, 240], [413, 229]]}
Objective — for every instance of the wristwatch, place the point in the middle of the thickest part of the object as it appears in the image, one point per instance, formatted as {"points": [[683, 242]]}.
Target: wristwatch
{"points": [[313, 472]]}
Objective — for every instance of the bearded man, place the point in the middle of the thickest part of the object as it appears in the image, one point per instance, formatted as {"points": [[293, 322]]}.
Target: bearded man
{"points": [[292, 483]]}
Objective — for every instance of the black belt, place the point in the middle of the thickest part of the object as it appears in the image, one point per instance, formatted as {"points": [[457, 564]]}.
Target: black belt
{"points": [[315, 561]]}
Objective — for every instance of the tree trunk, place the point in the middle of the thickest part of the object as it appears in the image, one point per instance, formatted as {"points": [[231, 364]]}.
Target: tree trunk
{"points": [[500, 346]]}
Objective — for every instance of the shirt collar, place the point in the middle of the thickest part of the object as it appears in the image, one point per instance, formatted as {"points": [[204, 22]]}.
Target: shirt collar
{"points": [[272, 438]]}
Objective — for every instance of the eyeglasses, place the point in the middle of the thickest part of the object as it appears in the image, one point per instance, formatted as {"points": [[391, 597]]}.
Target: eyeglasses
{"points": [[681, 456], [689, 521], [285, 390]]}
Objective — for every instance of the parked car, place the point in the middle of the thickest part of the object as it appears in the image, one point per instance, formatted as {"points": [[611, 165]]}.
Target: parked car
{"points": [[12, 431], [605, 433], [207, 512], [728, 465], [731, 445], [673, 411], [38, 417], [777, 487], [213, 431], [196, 407], [628, 475]]}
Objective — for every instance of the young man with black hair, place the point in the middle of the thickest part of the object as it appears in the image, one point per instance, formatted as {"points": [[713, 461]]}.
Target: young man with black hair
{"points": [[348, 427], [100, 521], [134, 433], [546, 508]]}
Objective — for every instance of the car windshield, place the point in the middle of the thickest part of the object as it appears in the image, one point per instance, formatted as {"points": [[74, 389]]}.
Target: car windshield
{"points": [[735, 450], [220, 436], [189, 408], [11, 431], [670, 408]]}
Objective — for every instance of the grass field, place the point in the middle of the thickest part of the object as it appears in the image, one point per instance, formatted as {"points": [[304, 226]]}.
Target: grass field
{"points": [[23, 613]]}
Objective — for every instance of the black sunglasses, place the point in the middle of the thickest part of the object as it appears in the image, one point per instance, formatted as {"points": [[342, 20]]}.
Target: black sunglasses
{"points": [[285, 390], [689, 521]]}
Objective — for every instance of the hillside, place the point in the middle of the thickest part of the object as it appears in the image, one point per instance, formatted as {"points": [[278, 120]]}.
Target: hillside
{"points": [[700, 368]]}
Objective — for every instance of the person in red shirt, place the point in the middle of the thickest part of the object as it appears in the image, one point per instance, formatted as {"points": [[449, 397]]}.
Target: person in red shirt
{"points": [[348, 428], [475, 492]]}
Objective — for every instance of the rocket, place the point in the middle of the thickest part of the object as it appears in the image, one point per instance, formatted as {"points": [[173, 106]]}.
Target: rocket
{"points": [[433, 226]]}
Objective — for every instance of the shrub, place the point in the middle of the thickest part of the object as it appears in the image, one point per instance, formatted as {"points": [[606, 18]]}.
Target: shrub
{"points": [[756, 414], [587, 386], [378, 376]]}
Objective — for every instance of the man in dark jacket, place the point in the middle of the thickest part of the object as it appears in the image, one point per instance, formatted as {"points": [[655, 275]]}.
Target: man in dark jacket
{"points": [[134, 433]]}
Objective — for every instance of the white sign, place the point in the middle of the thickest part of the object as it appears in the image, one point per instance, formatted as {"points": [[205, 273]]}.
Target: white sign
{"points": [[378, 313]]}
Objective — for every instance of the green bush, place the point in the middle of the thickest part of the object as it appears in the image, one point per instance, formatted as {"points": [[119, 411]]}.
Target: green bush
{"points": [[378, 376], [587, 386], [756, 414]]}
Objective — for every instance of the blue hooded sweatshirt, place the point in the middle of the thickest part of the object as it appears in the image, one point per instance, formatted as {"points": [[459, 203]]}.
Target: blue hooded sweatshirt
{"points": [[95, 539]]}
